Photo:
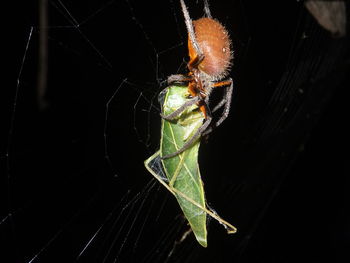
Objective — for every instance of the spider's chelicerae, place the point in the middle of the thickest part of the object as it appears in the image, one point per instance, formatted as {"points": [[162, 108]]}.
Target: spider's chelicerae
{"points": [[209, 48]]}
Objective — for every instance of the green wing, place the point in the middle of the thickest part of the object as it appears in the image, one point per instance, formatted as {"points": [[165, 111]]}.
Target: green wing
{"points": [[180, 174], [182, 170]]}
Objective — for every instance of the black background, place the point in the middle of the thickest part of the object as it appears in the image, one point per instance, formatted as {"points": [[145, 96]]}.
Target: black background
{"points": [[277, 168]]}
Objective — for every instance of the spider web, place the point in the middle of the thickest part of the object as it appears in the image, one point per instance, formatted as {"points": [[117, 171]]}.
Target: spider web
{"points": [[73, 184]]}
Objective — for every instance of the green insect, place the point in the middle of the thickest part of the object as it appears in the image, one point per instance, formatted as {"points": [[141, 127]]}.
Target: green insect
{"points": [[180, 174], [186, 117]]}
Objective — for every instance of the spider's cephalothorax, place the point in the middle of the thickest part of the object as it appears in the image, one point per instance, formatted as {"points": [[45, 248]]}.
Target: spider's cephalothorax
{"points": [[210, 53]]}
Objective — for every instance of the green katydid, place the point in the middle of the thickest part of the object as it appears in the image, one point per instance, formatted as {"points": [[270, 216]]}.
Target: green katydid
{"points": [[180, 174]]}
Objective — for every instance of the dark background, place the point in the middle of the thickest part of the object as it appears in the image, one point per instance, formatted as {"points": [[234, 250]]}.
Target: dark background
{"points": [[277, 168]]}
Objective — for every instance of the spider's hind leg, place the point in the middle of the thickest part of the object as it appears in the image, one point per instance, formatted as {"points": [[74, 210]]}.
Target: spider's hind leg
{"points": [[191, 32]]}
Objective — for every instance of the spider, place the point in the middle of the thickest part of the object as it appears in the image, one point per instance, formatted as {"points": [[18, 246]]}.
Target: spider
{"points": [[209, 48]]}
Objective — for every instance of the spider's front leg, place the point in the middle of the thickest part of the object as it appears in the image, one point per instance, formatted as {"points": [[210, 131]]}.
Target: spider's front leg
{"points": [[178, 78], [196, 136], [183, 80], [189, 142], [171, 80], [178, 111]]}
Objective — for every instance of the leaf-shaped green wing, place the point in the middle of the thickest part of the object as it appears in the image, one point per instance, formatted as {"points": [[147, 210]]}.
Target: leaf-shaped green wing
{"points": [[180, 174], [182, 170]]}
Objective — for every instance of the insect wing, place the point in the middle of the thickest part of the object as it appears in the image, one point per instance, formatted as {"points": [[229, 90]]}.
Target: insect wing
{"points": [[182, 171]]}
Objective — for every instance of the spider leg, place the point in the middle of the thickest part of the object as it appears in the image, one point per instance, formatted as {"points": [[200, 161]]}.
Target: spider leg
{"points": [[220, 104], [228, 98], [173, 79], [206, 9], [191, 33], [176, 113], [189, 142], [225, 101], [178, 78]]}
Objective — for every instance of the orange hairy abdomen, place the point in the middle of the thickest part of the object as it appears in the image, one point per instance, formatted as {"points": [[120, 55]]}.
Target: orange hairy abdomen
{"points": [[215, 43]]}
